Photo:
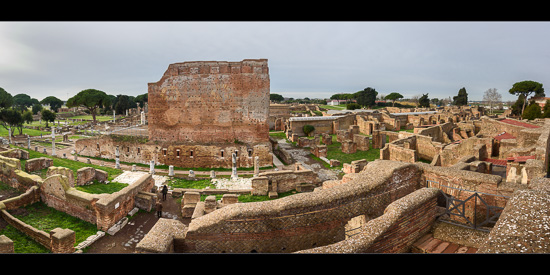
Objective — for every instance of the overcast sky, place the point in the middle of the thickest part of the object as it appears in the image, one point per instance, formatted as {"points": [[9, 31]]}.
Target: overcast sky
{"points": [[306, 59]]}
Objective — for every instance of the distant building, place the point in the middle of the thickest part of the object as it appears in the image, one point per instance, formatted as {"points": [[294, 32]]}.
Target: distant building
{"points": [[541, 101], [335, 102]]}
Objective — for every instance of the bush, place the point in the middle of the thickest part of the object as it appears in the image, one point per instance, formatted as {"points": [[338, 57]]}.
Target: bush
{"points": [[308, 129], [532, 111], [353, 106]]}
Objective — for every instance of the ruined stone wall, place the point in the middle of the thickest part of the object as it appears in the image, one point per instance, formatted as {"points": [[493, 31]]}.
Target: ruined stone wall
{"points": [[455, 182], [439, 133], [492, 127], [58, 240], [179, 155], [323, 125], [56, 192], [278, 114], [522, 224], [281, 181], [211, 102], [479, 147], [113, 207], [303, 220], [11, 174], [426, 148], [403, 222], [398, 153]]}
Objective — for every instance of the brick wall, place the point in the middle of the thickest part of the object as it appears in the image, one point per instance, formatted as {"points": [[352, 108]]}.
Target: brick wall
{"points": [[304, 220], [110, 209], [403, 222], [414, 221], [58, 240], [177, 154], [211, 102]]}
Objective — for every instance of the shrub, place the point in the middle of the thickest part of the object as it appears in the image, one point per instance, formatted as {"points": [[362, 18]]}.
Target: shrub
{"points": [[353, 106], [308, 129], [532, 111]]}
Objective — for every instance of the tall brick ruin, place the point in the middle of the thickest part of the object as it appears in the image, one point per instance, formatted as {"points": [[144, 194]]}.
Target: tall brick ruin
{"points": [[211, 102], [200, 113]]}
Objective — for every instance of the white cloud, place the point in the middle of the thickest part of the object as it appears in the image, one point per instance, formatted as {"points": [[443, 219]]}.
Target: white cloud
{"points": [[312, 59]]}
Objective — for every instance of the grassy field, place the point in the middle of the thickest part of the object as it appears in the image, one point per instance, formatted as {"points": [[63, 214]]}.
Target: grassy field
{"points": [[71, 164], [89, 117], [42, 217], [31, 132], [336, 107]]}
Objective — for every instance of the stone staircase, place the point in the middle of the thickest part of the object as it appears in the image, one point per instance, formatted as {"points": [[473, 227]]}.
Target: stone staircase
{"points": [[430, 245]]}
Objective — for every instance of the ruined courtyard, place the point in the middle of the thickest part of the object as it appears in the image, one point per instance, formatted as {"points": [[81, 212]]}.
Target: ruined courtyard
{"points": [[392, 180]]}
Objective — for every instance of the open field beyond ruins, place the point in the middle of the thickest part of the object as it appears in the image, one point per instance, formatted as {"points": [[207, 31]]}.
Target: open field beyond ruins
{"points": [[253, 176]]}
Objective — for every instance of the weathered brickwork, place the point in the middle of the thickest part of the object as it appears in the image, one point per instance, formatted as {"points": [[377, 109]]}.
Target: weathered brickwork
{"points": [[177, 154], [211, 101], [304, 220]]}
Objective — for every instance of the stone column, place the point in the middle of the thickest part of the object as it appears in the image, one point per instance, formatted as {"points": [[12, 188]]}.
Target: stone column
{"points": [[117, 158], [234, 167], [256, 166], [53, 141], [28, 142], [152, 167], [213, 174], [171, 170], [142, 117]]}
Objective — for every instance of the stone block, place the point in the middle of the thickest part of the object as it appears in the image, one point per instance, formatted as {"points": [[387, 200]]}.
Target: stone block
{"points": [[191, 198], [230, 199], [101, 175], [210, 204], [85, 175], [349, 147], [334, 163], [38, 164], [6, 245]]}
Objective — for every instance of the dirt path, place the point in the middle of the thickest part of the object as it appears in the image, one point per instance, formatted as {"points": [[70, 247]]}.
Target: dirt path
{"points": [[125, 240]]}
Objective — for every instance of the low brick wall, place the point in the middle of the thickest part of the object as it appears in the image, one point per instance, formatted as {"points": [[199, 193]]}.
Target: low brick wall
{"points": [[56, 192], [29, 197], [57, 241], [37, 164], [284, 181], [303, 220], [403, 222], [111, 208]]}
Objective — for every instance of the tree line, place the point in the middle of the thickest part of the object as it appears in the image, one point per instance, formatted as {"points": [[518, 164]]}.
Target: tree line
{"points": [[367, 98], [20, 108]]}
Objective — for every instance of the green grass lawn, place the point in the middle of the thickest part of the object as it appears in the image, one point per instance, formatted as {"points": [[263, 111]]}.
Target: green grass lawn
{"points": [[31, 132], [89, 117], [42, 217], [71, 164], [21, 242], [101, 188], [193, 184], [334, 151], [330, 107]]}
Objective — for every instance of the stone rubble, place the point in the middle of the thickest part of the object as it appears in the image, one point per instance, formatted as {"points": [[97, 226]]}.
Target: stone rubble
{"points": [[90, 240], [233, 183], [130, 177]]}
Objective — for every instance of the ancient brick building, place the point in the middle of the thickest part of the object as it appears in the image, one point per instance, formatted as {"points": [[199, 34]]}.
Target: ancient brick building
{"points": [[200, 113], [211, 102]]}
